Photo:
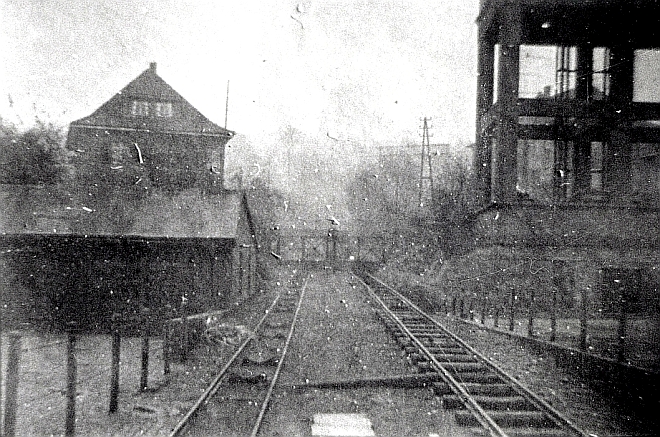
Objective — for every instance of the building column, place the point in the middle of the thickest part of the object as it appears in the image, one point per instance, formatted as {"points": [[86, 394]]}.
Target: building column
{"points": [[485, 86], [504, 160], [617, 168], [582, 141]]}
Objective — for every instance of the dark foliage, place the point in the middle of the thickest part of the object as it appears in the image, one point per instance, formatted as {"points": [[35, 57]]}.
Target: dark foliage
{"points": [[36, 156]]}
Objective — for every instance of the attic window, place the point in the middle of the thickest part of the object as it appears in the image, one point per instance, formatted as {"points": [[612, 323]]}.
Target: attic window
{"points": [[163, 109], [140, 108]]}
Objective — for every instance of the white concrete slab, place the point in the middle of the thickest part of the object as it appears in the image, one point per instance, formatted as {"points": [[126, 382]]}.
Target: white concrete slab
{"points": [[342, 425]]}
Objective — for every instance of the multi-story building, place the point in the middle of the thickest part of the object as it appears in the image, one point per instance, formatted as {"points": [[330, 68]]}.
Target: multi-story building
{"points": [[567, 155]]}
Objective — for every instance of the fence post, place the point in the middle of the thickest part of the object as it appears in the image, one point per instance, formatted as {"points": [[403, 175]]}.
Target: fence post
{"points": [[530, 324], [623, 319], [114, 371], [166, 349], [11, 384], [144, 373], [71, 377], [484, 308], [512, 311], [1, 376], [553, 316], [583, 320]]}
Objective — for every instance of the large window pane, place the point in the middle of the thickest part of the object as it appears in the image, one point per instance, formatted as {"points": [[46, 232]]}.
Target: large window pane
{"points": [[646, 173], [537, 71], [600, 79], [535, 169], [646, 76], [547, 72]]}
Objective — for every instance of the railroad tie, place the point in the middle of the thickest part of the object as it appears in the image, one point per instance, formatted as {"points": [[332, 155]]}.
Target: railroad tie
{"points": [[475, 388], [457, 368], [254, 378], [532, 419], [270, 362], [496, 403]]}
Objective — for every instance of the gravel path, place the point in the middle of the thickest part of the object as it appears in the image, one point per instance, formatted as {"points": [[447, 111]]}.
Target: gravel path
{"points": [[575, 398], [340, 338]]}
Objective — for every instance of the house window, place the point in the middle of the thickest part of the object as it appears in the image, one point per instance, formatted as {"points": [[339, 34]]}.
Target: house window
{"points": [[163, 109], [140, 108], [119, 155]]}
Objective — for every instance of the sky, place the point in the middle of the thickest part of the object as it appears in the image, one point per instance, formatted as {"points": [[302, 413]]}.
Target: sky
{"points": [[356, 71]]}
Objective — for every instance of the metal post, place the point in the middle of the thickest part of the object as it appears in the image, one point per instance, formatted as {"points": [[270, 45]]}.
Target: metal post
{"points": [[114, 371], [71, 376], [11, 387], [496, 317]]}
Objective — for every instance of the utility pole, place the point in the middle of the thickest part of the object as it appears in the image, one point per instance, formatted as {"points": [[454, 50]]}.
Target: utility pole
{"points": [[426, 169], [227, 104]]}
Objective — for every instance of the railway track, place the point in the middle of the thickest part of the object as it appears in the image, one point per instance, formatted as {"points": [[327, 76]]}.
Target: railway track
{"points": [[238, 397], [483, 396]]}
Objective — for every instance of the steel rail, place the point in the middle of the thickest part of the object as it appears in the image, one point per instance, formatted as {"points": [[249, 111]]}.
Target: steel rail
{"points": [[266, 401], [539, 403], [215, 384], [479, 413], [559, 420]]}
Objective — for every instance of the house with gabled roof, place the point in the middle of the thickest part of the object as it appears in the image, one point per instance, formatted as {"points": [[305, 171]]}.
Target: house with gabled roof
{"points": [[149, 134], [144, 227]]}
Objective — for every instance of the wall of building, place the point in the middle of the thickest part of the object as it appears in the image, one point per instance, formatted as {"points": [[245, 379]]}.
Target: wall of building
{"points": [[147, 160], [100, 282]]}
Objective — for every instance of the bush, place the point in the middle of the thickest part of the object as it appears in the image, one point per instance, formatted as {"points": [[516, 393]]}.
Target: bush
{"points": [[36, 156]]}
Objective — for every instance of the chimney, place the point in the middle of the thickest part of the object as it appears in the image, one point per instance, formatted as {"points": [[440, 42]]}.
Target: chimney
{"points": [[152, 67]]}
